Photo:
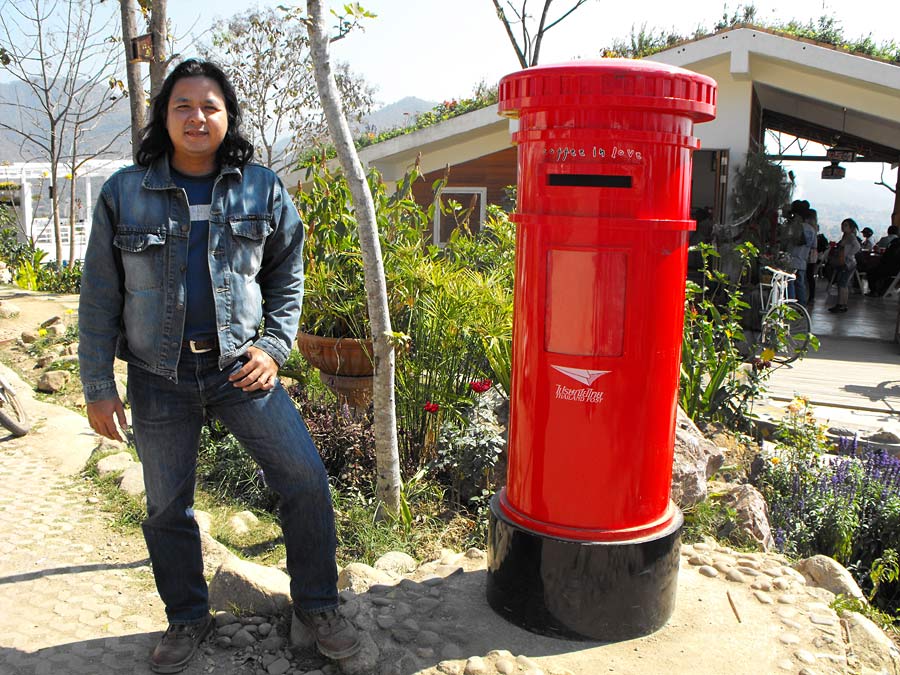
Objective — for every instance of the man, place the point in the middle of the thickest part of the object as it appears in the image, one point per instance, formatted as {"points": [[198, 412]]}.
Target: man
{"points": [[886, 240], [190, 252], [802, 217]]}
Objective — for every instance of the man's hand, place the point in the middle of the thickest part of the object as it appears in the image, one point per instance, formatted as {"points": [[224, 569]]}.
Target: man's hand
{"points": [[101, 417], [258, 373]]}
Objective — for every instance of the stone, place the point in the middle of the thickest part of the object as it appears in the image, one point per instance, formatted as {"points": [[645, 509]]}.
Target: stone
{"points": [[698, 560], [114, 463], [883, 436], [9, 310], [476, 554], [359, 577], [204, 520], [696, 459], [250, 587], [804, 656], [132, 480], [781, 583], [762, 585], [272, 643], [279, 667], [228, 630], [829, 574], [396, 562], [475, 666], [708, 571], [243, 638], [874, 649], [214, 553], [789, 639], [763, 597], [734, 575], [30, 337], [225, 619], [53, 381], [752, 514], [243, 522]]}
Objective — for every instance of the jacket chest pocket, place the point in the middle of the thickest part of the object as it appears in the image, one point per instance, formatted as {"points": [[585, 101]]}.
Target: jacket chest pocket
{"points": [[248, 238], [143, 256]]}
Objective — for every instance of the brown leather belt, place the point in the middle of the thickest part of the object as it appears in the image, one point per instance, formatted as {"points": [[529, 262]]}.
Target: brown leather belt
{"points": [[201, 346]]}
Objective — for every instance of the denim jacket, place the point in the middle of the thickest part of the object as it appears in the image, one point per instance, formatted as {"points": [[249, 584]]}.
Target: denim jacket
{"points": [[133, 290]]}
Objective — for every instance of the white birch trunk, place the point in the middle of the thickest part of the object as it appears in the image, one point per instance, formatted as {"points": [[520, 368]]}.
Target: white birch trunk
{"points": [[388, 482]]}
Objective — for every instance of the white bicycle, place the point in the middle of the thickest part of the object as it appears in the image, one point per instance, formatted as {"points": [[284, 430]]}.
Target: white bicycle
{"points": [[786, 325], [12, 414]]}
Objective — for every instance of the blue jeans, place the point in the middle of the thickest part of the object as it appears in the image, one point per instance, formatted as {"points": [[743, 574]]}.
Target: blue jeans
{"points": [[167, 419], [797, 288]]}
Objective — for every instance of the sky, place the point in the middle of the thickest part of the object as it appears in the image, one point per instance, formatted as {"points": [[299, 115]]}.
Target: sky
{"points": [[440, 49]]}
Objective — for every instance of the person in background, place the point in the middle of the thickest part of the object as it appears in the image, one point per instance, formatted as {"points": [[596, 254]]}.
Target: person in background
{"points": [[867, 244], [888, 267], [192, 250], [799, 252], [848, 247], [886, 240], [812, 260]]}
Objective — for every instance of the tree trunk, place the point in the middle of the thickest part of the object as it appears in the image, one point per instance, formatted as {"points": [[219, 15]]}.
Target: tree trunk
{"points": [[54, 197], [160, 61], [387, 457], [133, 71]]}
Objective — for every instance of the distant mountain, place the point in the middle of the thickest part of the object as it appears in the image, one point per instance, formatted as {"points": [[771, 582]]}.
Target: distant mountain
{"points": [[29, 118], [12, 149], [397, 114]]}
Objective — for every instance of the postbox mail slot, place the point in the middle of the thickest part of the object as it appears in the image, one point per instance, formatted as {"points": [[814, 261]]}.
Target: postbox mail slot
{"points": [[590, 180]]}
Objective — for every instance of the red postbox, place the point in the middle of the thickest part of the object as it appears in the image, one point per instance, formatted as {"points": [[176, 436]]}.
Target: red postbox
{"points": [[584, 539]]}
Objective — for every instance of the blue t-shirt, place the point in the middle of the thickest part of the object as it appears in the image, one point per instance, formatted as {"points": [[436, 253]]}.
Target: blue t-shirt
{"points": [[200, 308]]}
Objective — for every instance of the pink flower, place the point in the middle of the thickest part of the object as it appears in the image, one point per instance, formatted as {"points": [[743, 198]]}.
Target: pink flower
{"points": [[480, 386]]}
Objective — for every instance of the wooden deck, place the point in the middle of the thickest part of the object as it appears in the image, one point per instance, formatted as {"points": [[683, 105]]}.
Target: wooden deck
{"points": [[856, 372]]}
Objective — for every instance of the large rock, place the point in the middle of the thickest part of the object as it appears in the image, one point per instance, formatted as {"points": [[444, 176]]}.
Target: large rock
{"points": [[132, 480], [243, 522], [752, 514], [252, 588], [696, 460], [829, 574], [114, 463], [872, 647], [53, 381], [359, 577], [396, 562]]}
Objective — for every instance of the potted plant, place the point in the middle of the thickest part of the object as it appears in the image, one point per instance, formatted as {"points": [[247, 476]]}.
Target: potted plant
{"points": [[334, 328]]}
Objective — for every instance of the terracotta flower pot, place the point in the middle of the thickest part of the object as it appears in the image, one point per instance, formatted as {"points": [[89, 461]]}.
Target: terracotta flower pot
{"points": [[347, 357], [345, 366]]}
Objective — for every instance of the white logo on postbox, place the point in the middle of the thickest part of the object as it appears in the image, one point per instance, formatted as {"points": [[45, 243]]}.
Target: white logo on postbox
{"points": [[580, 394]]}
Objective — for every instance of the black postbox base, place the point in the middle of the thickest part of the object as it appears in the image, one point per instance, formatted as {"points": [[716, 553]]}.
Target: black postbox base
{"points": [[581, 590]]}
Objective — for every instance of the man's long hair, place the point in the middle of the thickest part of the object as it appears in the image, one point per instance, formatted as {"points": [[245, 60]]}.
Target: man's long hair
{"points": [[155, 142]]}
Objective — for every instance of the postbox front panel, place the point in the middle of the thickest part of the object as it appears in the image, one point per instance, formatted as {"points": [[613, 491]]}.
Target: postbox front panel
{"points": [[599, 342]]}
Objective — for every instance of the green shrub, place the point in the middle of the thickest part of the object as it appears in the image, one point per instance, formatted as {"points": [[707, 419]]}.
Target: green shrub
{"points": [[715, 384]]}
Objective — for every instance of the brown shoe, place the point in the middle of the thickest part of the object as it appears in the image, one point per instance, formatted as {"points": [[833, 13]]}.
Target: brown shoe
{"points": [[335, 636], [178, 644]]}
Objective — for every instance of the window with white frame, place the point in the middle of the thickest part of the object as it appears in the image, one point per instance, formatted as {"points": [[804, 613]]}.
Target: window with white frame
{"points": [[459, 207]]}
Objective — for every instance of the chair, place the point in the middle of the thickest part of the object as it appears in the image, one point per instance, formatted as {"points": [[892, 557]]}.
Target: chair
{"points": [[894, 286]]}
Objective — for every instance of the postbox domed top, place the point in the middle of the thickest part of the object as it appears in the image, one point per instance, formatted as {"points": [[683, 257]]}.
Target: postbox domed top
{"points": [[609, 83]]}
